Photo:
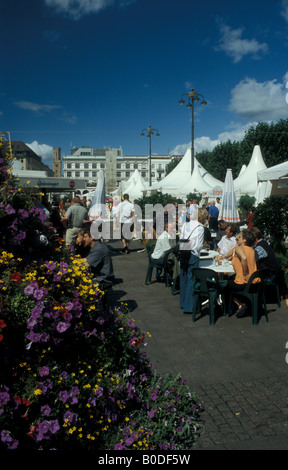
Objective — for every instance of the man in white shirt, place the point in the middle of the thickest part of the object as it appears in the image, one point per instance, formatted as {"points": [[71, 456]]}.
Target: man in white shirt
{"points": [[193, 210], [126, 213], [194, 231], [228, 241], [163, 245]]}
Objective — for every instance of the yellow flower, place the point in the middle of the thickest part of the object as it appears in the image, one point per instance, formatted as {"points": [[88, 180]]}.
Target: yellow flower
{"points": [[37, 391]]}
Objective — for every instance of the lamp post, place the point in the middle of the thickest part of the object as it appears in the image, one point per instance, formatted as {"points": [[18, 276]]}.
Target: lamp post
{"points": [[150, 131], [193, 96]]}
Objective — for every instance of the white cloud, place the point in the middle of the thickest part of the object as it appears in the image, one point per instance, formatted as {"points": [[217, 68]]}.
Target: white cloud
{"points": [[236, 133], [234, 46], [43, 150], [37, 108], [256, 101], [76, 9], [41, 109], [284, 12]]}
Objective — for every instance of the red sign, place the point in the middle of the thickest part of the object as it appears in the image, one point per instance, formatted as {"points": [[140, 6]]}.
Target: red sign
{"points": [[72, 184]]}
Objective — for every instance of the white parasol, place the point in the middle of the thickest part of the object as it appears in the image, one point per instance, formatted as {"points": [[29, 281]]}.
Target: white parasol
{"points": [[98, 203], [229, 208]]}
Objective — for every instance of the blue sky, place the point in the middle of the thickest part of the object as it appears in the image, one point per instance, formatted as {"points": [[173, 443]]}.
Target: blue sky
{"points": [[97, 72]]}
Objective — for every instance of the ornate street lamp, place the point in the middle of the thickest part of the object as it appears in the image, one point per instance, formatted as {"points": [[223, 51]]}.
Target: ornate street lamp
{"points": [[150, 131], [193, 96]]}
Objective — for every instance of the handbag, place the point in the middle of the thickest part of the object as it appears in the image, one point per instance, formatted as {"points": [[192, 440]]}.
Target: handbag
{"points": [[184, 254]]}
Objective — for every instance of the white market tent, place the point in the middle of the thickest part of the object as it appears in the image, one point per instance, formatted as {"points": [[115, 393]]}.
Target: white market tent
{"points": [[274, 173], [134, 186], [179, 182], [266, 177], [247, 182]]}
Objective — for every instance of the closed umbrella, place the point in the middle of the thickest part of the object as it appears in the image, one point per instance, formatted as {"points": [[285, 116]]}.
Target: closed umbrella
{"points": [[98, 203], [229, 208]]}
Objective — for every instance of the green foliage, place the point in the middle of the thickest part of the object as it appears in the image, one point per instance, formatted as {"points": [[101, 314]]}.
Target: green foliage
{"points": [[271, 217], [245, 203], [272, 139], [192, 196], [157, 198], [172, 164]]}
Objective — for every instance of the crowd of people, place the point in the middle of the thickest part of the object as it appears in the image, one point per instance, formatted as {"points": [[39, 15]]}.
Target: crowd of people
{"points": [[179, 255]]}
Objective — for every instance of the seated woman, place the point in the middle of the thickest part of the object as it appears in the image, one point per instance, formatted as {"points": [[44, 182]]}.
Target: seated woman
{"points": [[244, 264]]}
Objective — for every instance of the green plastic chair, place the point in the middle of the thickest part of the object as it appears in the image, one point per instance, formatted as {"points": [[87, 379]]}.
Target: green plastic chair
{"points": [[255, 295], [206, 286], [151, 265], [268, 284]]}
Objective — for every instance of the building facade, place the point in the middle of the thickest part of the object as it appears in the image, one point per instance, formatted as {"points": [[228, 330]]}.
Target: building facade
{"points": [[85, 162], [28, 158]]}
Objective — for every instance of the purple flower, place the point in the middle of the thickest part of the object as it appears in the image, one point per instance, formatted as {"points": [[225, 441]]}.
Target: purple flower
{"points": [[9, 209], [72, 417], [38, 294], [44, 371], [30, 288], [151, 413], [63, 395], [54, 426], [35, 337], [6, 437], [23, 213], [43, 427], [62, 326], [45, 410]]}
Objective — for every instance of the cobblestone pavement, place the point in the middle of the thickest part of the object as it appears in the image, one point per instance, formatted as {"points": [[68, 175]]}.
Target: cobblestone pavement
{"points": [[238, 371]]}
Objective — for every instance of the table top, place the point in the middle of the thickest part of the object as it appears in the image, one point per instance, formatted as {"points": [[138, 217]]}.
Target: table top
{"points": [[220, 268], [211, 254]]}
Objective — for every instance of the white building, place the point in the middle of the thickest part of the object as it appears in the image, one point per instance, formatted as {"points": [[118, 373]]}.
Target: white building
{"points": [[85, 162]]}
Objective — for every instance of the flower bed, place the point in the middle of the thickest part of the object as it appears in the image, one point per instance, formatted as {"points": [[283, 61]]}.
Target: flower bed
{"points": [[74, 374]]}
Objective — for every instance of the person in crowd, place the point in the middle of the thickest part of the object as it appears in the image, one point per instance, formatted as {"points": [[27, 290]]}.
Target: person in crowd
{"points": [[84, 202], [194, 232], [228, 242], [218, 203], [202, 218], [222, 225], [55, 219], [193, 208], [98, 259], [249, 220], [264, 255], [244, 264], [75, 216], [213, 216], [80, 248], [187, 215], [164, 246], [126, 214]]}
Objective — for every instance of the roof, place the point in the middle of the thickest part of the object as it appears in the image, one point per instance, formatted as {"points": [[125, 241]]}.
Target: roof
{"points": [[273, 173]]}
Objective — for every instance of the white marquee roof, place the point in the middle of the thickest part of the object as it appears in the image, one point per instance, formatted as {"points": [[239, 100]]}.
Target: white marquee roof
{"points": [[247, 181]]}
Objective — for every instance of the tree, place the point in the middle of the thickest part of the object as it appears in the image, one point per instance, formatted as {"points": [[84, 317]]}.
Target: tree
{"points": [[271, 217], [172, 164]]}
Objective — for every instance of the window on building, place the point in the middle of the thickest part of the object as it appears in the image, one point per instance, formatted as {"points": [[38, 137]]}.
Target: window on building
{"points": [[69, 174], [86, 166], [135, 166], [94, 165], [127, 165], [118, 166], [77, 166], [93, 174], [69, 165], [86, 174], [143, 174], [118, 174], [102, 165], [127, 174], [77, 174]]}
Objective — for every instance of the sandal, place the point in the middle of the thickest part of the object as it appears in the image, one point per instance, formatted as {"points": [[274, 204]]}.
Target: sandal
{"points": [[241, 311]]}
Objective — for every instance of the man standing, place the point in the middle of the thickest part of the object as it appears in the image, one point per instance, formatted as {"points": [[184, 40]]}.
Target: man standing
{"points": [[75, 216], [99, 258], [126, 213], [213, 216]]}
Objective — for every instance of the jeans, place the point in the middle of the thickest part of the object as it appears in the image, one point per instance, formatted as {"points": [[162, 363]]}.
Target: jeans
{"points": [[186, 283]]}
